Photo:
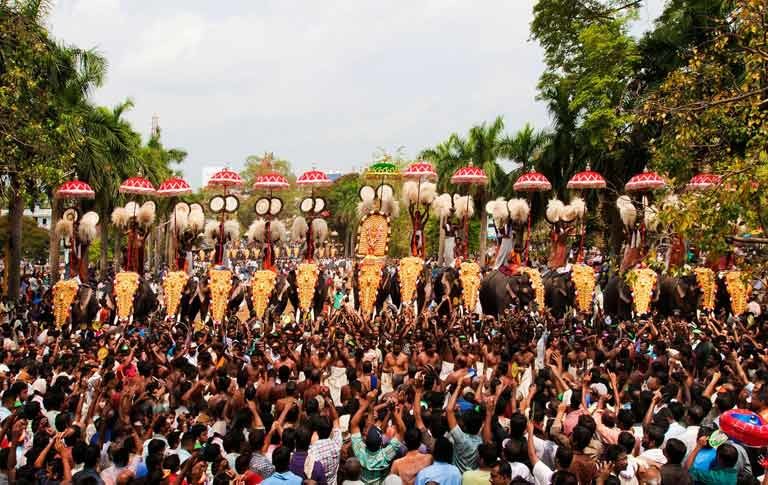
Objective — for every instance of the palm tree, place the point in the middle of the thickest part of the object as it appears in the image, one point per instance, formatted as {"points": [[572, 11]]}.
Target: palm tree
{"points": [[525, 150], [342, 199]]}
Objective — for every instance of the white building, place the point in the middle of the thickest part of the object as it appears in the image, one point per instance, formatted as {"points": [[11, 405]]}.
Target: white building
{"points": [[41, 216]]}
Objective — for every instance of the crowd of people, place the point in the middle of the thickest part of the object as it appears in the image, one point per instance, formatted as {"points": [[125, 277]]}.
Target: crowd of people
{"points": [[413, 398]]}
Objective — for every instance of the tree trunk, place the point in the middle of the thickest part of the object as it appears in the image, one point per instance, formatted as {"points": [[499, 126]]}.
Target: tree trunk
{"points": [[103, 244], [441, 243], [15, 214], [53, 241], [483, 228]]}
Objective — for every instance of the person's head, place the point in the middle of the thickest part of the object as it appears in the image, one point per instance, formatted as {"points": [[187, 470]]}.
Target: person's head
{"points": [[653, 437], [627, 441], [188, 440], [471, 421], [487, 455], [563, 457], [352, 469], [91, 456], [617, 455], [281, 458], [501, 473], [727, 456], [443, 451], [322, 426], [581, 437], [156, 447], [172, 463], [674, 451], [564, 477], [303, 438], [412, 438], [373, 439]]}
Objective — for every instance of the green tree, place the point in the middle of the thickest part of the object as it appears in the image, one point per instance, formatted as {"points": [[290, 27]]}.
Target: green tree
{"points": [[41, 84], [343, 197], [35, 239]]}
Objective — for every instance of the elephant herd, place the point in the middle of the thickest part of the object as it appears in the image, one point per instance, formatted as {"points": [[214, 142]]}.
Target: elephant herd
{"points": [[498, 291]]}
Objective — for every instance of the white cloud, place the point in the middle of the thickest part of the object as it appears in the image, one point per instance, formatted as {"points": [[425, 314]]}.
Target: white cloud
{"points": [[328, 81]]}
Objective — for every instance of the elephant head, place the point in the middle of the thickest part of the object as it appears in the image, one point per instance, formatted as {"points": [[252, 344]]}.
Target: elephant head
{"points": [[559, 292], [498, 291], [679, 295]]}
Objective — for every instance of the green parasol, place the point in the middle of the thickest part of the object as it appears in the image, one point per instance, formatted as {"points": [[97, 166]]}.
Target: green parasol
{"points": [[382, 170]]}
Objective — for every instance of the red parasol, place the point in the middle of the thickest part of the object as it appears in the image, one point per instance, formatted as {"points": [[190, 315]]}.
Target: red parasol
{"points": [[645, 181], [588, 179], [704, 181], [74, 189], [174, 187], [532, 181], [271, 181], [137, 186], [314, 178], [225, 178], [469, 175], [422, 171]]}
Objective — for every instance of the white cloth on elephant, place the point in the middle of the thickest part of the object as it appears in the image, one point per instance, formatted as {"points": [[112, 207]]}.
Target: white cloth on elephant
{"points": [[335, 382], [449, 250], [446, 370], [507, 245]]}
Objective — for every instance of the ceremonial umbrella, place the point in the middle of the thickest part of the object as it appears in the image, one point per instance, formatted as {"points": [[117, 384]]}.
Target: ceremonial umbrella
{"points": [[74, 189], [645, 181], [703, 181], [585, 180], [311, 206], [225, 178], [137, 186], [170, 188], [531, 181], [468, 175]]}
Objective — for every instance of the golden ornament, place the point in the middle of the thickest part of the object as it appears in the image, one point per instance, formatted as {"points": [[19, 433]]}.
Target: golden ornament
{"points": [[173, 285], [221, 284], [373, 235], [306, 280], [64, 293], [369, 277], [642, 282], [583, 277], [705, 278], [737, 291], [262, 286], [469, 275], [409, 270], [536, 283], [126, 284]]}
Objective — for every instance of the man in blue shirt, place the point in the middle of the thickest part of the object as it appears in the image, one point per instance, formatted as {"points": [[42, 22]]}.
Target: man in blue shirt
{"points": [[441, 471], [281, 459]]}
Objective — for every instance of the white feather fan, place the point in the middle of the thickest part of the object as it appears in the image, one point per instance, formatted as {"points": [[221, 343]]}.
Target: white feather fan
{"points": [[555, 209], [299, 229], [465, 207], [410, 192], [428, 192], [627, 210], [277, 231], [256, 231], [651, 218], [86, 231], [442, 205], [498, 210], [390, 206], [211, 231], [120, 216], [131, 208], [319, 230], [146, 213], [180, 218], [64, 228], [518, 210], [196, 219], [364, 207], [232, 229], [578, 207]]}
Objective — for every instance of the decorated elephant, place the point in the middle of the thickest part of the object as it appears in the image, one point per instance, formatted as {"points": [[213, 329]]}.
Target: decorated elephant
{"points": [[499, 290], [559, 292], [679, 295], [622, 301]]}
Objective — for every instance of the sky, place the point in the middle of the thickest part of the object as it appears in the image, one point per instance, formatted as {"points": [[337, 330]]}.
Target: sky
{"points": [[319, 83]]}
